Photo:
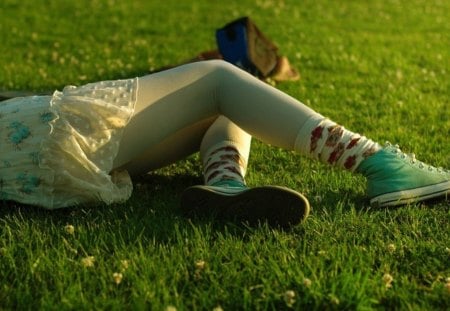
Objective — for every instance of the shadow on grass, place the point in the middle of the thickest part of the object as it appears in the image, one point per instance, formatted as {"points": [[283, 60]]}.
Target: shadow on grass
{"points": [[151, 215]]}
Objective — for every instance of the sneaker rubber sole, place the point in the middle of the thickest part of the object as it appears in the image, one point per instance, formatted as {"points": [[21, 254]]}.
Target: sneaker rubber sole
{"points": [[278, 206], [412, 195]]}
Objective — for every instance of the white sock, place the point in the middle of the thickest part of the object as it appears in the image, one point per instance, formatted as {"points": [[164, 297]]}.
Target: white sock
{"points": [[322, 139], [223, 162]]}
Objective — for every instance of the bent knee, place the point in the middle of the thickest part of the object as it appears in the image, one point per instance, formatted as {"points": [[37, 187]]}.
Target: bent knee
{"points": [[218, 65]]}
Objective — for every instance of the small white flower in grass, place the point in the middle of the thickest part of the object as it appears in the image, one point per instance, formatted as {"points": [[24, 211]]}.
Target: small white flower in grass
{"points": [[88, 261], [69, 229], [334, 300], [218, 308], [36, 263], [200, 264], [307, 282], [125, 264], [289, 298], [391, 247], [171, 308], [388, 279], [117, 276]]}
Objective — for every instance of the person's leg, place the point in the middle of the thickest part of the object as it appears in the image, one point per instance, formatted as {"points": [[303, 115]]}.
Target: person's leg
{"points": [[176, 112], [173, 101], [179, 105], [224, 153]]}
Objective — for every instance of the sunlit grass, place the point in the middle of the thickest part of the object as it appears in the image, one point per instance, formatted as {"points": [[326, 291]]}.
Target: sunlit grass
{"points": [[378, 67]]}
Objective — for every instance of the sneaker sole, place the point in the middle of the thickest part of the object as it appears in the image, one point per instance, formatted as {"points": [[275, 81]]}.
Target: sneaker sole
{"points": [[412, 196], [278, 206]]}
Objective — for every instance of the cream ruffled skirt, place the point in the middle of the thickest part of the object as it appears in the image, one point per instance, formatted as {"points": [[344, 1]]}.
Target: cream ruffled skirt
{"points": [[58, 151]]}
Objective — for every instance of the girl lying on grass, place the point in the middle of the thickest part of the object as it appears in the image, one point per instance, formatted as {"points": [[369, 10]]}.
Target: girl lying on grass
{"points": [[81, 145]]}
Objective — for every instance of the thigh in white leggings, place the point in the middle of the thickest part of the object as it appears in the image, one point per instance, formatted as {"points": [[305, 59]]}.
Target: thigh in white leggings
{"points": [[176, 107]]}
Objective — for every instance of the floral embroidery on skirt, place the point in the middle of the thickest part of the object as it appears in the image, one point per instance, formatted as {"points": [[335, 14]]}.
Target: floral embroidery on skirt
{"points": [[58, 151]]}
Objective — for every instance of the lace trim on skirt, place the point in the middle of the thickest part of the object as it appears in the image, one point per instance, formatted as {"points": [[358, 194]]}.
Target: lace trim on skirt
{"points": [[84, 140]]}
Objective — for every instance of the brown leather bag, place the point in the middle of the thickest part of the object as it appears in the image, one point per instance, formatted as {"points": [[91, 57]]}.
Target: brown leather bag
{"points": [[241, 43]]}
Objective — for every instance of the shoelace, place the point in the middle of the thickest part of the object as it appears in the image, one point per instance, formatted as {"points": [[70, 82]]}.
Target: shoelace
{"points": [[412, 159]]}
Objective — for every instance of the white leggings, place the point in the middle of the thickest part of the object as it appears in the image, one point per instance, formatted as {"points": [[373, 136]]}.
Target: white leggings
{"points": [[195, 106]]}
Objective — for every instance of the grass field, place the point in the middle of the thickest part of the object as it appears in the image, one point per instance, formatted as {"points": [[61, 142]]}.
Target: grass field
{"points": [[381, 68]]}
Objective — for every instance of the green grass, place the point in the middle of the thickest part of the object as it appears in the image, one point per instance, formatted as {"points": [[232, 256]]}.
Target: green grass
{"points": [[378, 67]]}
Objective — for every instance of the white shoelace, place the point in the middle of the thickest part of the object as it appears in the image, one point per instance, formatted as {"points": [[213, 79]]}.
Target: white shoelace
{"points": [[411, 157]]}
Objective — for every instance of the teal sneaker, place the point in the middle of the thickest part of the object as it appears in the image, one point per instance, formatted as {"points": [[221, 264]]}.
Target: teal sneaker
{"points": [[395, 178], [232, 200]]}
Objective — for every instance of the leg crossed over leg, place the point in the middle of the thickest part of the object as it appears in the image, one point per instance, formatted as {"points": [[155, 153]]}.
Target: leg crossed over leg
{"points": [[213, 105]]}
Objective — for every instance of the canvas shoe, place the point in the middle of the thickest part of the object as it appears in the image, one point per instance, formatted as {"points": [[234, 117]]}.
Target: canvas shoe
{"points": [[232, 200], [395, 178]]}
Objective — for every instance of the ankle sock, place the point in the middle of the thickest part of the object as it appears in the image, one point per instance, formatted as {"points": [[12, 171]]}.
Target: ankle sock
{"points": [[324, 140], [223, 162]]}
